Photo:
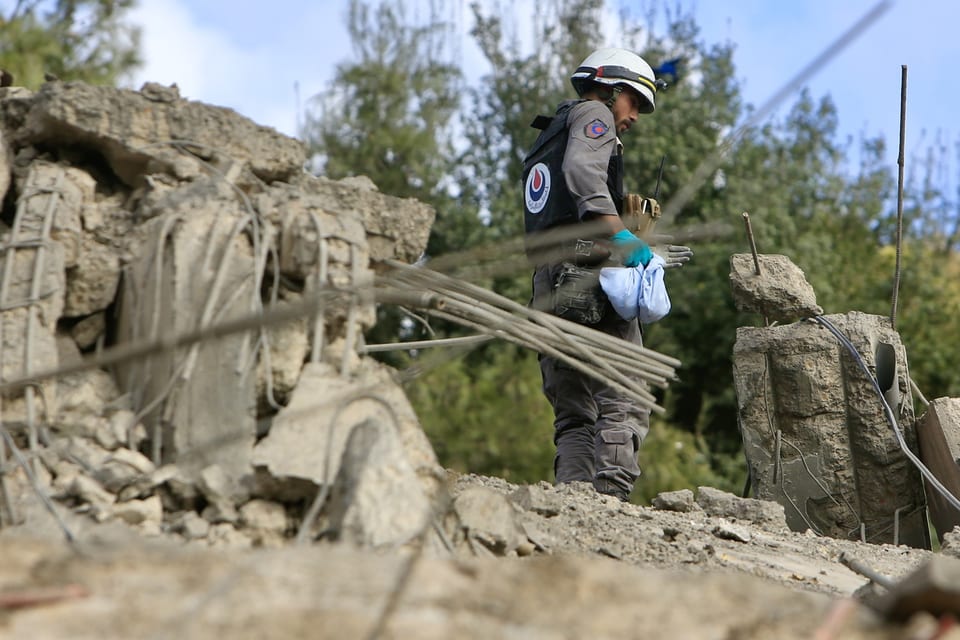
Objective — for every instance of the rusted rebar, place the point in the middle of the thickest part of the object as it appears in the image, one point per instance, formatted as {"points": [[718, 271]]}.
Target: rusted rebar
{"points": [[753, 242], [903, 135]]}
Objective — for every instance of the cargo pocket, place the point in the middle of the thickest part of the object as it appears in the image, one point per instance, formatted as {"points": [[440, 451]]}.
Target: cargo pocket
{"points": [[618, 448]]}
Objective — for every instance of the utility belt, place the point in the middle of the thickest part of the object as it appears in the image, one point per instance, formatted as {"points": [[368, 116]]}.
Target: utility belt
{"points": [[576, 294]]}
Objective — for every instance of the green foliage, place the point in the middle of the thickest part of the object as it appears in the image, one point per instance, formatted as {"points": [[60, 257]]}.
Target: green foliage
{"points": [[673, 459], [389, 108], [490, 419], [86, 40]]}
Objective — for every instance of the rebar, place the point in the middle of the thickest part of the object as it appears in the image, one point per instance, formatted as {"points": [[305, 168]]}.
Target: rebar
{"points": [[753, 242], [900, 155]]}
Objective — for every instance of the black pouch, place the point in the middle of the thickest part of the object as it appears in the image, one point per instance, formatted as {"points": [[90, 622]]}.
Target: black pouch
{"points": [[577, 295]]}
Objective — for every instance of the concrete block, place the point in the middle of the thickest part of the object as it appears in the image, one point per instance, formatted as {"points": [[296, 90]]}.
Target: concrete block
{"points": [[780, 292]]}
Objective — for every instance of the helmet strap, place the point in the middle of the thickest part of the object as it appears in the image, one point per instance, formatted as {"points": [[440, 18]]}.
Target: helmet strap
{"points": [[615, 92]]}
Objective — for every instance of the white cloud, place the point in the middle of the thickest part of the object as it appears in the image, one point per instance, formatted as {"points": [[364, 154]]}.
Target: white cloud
{"points": [[252, 68]]}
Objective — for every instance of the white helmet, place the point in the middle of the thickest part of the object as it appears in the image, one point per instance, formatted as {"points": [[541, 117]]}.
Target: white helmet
{"points": [[615, 67]]}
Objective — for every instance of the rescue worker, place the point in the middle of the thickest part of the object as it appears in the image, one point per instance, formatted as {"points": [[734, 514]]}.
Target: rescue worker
{"points": [[573, 175]]}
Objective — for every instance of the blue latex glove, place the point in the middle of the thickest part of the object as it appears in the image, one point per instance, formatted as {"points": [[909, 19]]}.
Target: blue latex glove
{"points": [[634, 250]]}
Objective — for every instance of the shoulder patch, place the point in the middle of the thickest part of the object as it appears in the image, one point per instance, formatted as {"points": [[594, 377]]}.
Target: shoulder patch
{"points": [[595, 128]]}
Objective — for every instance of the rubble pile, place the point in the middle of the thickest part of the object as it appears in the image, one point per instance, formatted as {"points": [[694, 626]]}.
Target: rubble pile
{"points": [[134, 220], [133, 217], [825, 408]]}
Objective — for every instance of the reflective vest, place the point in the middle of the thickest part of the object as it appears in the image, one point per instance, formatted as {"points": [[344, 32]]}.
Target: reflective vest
{"points": [[547, 202]]}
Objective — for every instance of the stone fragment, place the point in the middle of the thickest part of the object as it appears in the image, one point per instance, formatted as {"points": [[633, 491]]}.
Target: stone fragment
{"points": [[781, 291], [139, 511], [192, 526], [142, 485], [122, 468], [81, 451], [304, 442], [681, 501], [265, 522], [537, 499], [377, 498], [89, 330], [729, 531], [226, 535], [92, 281], [726, 505], [104, 435], [125, 428], [81, 399], [950, 546], [221, 494], [488, 517], [89, 490]]}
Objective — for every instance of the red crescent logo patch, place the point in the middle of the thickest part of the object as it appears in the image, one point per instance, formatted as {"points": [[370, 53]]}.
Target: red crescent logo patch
{"points": [[595, 129]]}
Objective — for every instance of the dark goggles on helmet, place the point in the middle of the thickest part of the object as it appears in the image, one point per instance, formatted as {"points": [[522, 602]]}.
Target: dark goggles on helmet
{"points": [[620, 73]]}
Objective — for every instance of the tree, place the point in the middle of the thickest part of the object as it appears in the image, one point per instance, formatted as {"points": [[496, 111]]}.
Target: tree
{"points": [[388, 112], [388, 116], [88, 40]]}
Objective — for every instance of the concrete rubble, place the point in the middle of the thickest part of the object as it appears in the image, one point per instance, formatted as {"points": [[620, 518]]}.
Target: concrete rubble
{"points": [[779, 292], [816, 433], [136, 216]]}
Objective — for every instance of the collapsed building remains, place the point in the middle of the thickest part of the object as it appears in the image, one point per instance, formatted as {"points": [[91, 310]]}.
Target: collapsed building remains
{"points": [[131, 217], [812, 399]]}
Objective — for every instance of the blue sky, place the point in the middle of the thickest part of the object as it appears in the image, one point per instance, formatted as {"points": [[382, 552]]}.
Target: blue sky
{"points": [[250, 55]]}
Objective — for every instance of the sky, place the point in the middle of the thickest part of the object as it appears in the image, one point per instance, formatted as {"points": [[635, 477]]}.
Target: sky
{"points": [[266, 59]]}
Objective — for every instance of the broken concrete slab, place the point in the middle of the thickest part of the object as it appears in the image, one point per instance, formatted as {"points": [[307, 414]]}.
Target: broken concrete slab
{"points": [[279, 366], [946, 411], [489, 518], [815, 433], [780, 292], [765, 513], [938, 435], [377, 499], [397, 228], [134, 132], [196, 267], [21, 357], [307, 437]]}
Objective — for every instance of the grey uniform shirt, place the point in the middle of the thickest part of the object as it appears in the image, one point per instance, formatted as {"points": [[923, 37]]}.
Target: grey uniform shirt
{"points": [[592, 140]]}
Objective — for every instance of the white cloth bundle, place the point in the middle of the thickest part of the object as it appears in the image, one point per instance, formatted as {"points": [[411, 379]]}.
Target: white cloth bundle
{"points": [[637, 292]]}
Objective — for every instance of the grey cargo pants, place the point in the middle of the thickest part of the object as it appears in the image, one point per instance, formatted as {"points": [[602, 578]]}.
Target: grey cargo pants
{"points": [[597, 431]]}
